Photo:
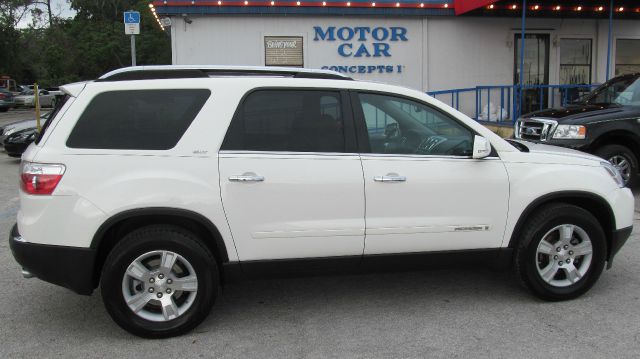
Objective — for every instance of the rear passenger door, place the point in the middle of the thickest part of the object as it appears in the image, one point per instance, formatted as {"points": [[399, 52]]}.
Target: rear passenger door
{"points": [[290, 178]]}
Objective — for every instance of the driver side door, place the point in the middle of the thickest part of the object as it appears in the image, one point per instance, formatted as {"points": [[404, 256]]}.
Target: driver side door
{"points": [[423, 190]]}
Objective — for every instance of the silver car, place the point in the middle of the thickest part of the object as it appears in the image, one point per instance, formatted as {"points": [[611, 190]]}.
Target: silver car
{"points": [[27, 98]]}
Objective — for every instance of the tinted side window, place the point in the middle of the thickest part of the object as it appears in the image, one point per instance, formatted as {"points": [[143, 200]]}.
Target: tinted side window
{"points": [[400, 126], [137, 119], [288, 120]]}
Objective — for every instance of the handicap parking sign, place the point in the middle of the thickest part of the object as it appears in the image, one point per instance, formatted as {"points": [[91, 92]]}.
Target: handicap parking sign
{"points": [[132, 23], [131, 17]]}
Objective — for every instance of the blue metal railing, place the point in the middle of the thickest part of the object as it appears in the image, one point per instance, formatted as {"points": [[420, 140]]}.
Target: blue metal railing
{"points": [[535, 97]]}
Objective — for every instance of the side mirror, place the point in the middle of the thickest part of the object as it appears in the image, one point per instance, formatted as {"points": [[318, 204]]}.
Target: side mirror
{"points": [[481, 147]]}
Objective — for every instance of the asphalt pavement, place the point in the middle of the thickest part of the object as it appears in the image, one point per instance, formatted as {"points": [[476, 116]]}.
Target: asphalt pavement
{"points": [[447, 313]]}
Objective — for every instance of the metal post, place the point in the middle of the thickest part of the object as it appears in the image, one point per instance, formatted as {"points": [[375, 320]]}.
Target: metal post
{"points": [[133, 50], [522, 35], [36, 92], [610, 39]]}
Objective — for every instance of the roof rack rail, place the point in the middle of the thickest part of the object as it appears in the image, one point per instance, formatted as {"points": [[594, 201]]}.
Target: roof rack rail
{"points": [[178, 72]]}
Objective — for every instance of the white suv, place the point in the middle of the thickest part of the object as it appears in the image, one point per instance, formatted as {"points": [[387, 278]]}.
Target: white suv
{"points": [[162, 183]]}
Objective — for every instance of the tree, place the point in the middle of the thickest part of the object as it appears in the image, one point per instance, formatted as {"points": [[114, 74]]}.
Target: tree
{"points": [[60, 51]]}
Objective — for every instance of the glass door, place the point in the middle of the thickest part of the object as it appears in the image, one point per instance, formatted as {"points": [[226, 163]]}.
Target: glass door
{"points": [[536, 70]]}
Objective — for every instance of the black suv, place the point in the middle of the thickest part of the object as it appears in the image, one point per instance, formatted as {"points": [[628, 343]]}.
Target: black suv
{"points": [[606, 122]]}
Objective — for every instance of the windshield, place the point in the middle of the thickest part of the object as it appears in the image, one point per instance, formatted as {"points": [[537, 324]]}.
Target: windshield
{"points": [[624, 91]]}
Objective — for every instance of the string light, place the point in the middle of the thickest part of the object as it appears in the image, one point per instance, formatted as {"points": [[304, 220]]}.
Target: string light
{"points": [[491, 7], [579, 8]]}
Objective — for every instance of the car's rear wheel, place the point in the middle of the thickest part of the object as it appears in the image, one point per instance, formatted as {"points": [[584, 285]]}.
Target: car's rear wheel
{"points": [[623, 159], [159, 281], [561, 252]]}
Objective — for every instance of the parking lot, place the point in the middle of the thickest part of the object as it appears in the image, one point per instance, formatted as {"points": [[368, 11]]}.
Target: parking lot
{"points": [[454, 312]]}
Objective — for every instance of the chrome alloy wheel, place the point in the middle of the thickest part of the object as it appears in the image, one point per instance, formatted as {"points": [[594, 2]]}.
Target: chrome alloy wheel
{"points": [[564, 255], [623, 165], [159, 286]]}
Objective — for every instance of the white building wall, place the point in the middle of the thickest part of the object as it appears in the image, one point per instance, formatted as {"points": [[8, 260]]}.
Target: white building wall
{"points": [[234, 40], [441, 52]]}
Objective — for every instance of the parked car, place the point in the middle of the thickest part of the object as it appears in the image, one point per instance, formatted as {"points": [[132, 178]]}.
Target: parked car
{"points": [[6, 100], [605, 123], [27, 98], [163, 183], [10, 128], [16, 143]]}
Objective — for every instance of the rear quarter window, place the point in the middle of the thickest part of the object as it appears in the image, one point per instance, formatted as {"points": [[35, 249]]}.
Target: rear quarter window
{"points": [[137, 119]]}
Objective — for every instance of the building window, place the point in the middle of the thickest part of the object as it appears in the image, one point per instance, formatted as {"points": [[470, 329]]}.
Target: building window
{"points": [[283, 51], [575, 61], [627, 56]]}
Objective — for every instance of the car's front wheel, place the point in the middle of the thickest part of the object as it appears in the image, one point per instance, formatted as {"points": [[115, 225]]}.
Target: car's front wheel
{"points": [[561, 252], [159, 281]]}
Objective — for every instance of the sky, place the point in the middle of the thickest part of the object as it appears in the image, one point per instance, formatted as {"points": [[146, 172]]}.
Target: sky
{"points": [[59, 8]]}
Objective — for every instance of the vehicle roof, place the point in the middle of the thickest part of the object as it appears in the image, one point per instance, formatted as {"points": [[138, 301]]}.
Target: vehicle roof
{"points": [[201, 71]]}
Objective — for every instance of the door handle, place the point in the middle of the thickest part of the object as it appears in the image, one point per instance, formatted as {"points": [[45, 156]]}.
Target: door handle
{"points": [[391, 177], [246, 177]]}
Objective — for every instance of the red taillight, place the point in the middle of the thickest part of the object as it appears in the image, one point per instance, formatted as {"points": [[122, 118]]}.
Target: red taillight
{"points": [[2, 95], [40, 178]]}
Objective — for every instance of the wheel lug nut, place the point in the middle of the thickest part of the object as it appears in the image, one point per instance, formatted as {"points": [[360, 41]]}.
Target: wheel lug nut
{"points": [[570, 253], [555, 257], [168, 290], [160, 276], [169, 281], [566, 246], [560, 263], [151, 290], [159, 295], [558, 249], [568, 261], [151, 280]]}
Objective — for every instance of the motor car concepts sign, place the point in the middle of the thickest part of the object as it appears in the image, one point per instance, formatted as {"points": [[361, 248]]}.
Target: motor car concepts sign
{"points": [[132, 23], [362, 42]]}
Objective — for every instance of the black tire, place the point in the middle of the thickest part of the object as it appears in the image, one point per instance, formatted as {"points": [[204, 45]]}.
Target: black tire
{"points": [[539, 224], [608, 152], [4, 109], [152, 238]]}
